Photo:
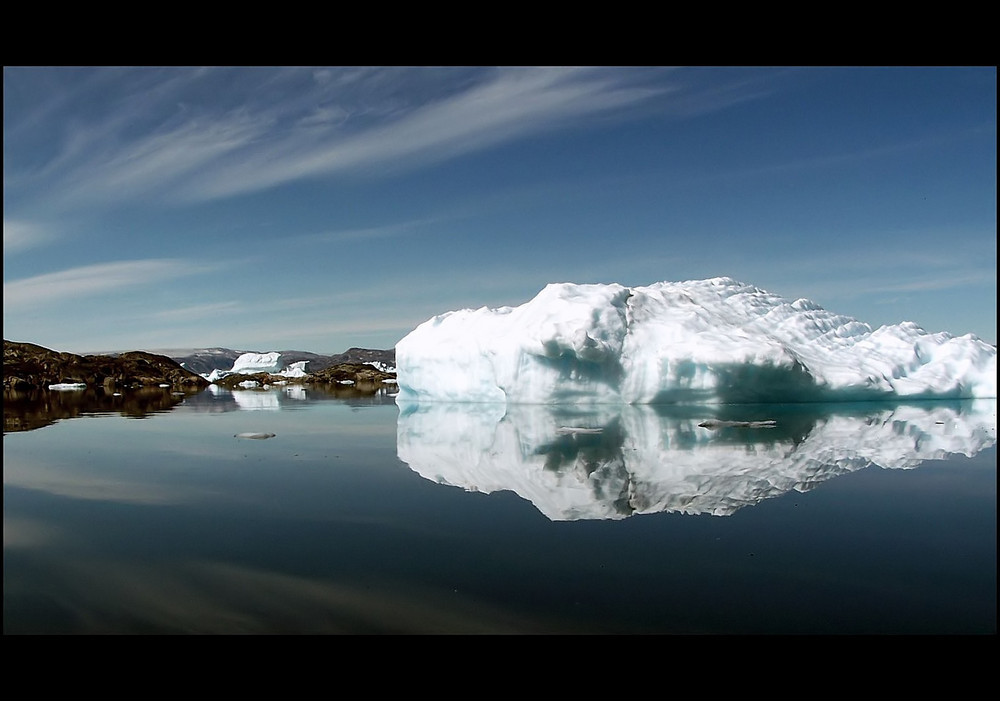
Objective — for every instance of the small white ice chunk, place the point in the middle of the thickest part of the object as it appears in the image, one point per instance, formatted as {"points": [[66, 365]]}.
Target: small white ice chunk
{"points": [[68, 386]]}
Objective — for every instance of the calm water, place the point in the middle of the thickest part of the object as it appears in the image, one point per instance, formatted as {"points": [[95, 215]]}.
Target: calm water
{"points": [[149, 515]]}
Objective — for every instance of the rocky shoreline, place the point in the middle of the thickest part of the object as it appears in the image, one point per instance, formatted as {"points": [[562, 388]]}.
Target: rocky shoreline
{"points": [[27, 366], [345, 373]]}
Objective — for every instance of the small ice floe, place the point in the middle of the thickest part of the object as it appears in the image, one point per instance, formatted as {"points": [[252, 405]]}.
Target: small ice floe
{"points": [[570, 430], [163, 384], [390, 381], [177, 394], [116, 394], [346, 382], [255, 436], [68, 386], [715, 423], [249, 384]]}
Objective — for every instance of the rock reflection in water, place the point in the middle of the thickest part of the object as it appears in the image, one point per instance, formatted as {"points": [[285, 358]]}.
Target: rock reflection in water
{"points": [[32, 409], [615, 461]]}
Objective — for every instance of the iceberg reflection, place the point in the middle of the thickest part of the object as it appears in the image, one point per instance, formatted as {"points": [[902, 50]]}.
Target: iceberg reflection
{"points": [[610, 462]]}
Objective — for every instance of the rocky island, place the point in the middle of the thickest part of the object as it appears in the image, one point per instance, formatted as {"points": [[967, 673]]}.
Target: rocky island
{"points": [[27, 366], [139, 383], [344, 373]]}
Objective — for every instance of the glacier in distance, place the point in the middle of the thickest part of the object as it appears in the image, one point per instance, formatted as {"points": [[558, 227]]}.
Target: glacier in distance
{"points": [[716, 341]]}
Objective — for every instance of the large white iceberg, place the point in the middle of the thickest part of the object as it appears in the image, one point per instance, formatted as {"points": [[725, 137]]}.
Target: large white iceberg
{"points": [[701, 341]]}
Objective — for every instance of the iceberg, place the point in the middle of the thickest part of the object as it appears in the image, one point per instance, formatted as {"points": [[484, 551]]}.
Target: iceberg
{"points": [[297, 369], [252, 363], [379, 365], [716, 341]]}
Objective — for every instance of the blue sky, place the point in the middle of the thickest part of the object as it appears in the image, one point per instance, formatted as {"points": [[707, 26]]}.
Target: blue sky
{"points": [[321, 208]]}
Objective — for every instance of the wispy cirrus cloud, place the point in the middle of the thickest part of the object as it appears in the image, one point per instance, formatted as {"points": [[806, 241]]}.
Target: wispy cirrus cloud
{"points": [[510, 104], [161, 162], [378, 232], [191, 134], [93, 280], [20, 236], [198, 311], [853, 287]]}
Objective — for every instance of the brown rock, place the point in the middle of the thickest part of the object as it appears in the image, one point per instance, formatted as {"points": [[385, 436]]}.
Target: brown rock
{"points": [[26, 365]]}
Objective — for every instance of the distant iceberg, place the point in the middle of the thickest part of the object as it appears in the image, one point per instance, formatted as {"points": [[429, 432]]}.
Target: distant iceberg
{"points": [[379, 365], [252, 363], [297, 369], [702, 341]]}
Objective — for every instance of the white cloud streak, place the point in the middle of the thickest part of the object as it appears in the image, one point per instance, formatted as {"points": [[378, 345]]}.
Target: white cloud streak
{"points": [[19, 236], [198, 311], [197, 135], [516, 103], [92, 280], [160, 161]]}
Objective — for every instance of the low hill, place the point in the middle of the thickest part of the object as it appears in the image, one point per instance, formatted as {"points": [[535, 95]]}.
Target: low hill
{"points": [[28, 366]]}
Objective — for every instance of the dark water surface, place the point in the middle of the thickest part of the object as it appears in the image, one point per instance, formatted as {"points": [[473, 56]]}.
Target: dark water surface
{"points": [[361, 517]]}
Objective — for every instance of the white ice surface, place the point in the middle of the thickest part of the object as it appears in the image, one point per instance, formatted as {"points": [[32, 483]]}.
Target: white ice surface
{"points": [[297, 369], [252, 363], [379, 365], [701, 341], [68, 386]]}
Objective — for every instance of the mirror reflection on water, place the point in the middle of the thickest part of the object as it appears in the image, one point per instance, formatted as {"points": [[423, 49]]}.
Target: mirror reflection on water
{"points": [[300, 510]]}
